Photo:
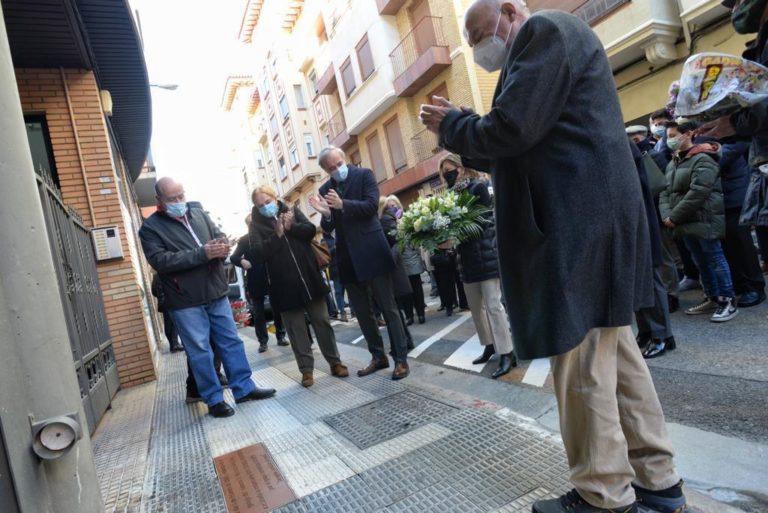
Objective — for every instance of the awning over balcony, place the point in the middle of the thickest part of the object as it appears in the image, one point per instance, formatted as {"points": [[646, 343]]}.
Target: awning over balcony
{"points": [[420, 57], [96, 35]]}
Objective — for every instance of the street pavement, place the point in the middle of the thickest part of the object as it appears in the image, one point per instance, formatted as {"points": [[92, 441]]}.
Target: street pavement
{"points": [[448, 438]]}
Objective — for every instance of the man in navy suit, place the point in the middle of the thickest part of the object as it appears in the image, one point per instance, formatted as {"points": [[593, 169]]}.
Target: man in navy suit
{"points": [[349, 203]]}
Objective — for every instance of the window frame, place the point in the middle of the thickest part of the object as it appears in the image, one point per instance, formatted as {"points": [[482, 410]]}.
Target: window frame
{"points": [[301, 100], [284, 112], [282, 168], [309, 145], [347, 65], [293, 153], [48, 142], [404, 164], [364, 42]]}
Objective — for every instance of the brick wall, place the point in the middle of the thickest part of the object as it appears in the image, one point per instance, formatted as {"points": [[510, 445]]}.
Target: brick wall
{"points": [[42, 91]]}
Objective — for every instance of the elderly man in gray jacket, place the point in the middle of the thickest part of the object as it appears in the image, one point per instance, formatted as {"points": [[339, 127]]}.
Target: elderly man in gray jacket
{"points": [[574, 252]]}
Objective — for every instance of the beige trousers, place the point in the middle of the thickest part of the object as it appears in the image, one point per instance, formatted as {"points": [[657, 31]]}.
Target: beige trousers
{"points": [[611, 420], [484, 298], [296, 326]]}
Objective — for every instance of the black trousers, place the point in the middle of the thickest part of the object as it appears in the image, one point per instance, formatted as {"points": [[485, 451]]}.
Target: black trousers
{"points": [[260, 319], [418, 297], [379, 292], [171, 333], [448, 284], [741, 255]]}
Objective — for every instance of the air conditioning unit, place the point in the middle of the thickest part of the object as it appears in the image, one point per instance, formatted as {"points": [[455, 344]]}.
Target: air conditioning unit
{"points": [[106, 243]]}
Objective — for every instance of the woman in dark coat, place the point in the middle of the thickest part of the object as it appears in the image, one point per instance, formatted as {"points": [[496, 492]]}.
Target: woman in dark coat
{"points": [[282, 238], [400, 283], [479, 264]]}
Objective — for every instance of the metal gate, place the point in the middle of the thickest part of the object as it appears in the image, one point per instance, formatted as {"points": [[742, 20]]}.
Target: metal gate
{"points": [[78, 283]]}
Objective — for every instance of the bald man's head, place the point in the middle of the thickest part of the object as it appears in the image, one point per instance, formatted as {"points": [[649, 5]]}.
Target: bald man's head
{"points": [[486, 18], [169, 191]]}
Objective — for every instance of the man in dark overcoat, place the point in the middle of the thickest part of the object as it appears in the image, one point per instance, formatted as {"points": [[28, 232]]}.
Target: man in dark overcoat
{"points": [[349, 204], [573, 244]]}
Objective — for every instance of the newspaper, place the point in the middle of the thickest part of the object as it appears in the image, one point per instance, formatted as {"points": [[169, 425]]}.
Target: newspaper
{"points": [[716, 84]]}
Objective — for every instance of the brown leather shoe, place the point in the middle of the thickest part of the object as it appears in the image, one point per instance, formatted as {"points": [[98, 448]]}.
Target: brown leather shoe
{"points": [[340, 371], [401, 371], [373, 367], [307, 379]]}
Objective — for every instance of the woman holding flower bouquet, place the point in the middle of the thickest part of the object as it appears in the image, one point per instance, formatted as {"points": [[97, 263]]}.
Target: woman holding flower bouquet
{"points": [[479, 267]]}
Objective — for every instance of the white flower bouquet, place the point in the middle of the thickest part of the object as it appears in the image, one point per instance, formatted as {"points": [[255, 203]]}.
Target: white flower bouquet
{"points": [[446, 217]]}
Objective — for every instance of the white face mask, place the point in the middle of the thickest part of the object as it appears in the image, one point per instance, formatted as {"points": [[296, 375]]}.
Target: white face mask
{"points": [[491, 52]]}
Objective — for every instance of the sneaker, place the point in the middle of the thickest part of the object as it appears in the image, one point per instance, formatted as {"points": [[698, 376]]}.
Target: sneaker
{"points": [[671, 500], [687, 284], [726, 310], [572, 502], [705, 307]]}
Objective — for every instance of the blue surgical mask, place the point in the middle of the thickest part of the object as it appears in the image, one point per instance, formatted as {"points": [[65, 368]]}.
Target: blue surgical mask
{"points": [[176, 209], [269, 210], [340, 174]]}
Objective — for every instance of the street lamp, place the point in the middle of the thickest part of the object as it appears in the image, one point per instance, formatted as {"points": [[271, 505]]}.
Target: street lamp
{"points": [[169, 87]]}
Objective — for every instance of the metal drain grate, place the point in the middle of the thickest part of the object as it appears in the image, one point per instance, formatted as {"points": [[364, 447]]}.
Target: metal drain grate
{"points": [[387, 418]]}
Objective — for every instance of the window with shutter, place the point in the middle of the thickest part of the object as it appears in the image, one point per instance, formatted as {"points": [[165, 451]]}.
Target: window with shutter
{"points": [[365, 57], [395, 144], [348, 77], [377, 157]]}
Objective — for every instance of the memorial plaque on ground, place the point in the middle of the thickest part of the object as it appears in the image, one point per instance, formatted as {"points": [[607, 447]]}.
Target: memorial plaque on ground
{"points": [[251, 481]]}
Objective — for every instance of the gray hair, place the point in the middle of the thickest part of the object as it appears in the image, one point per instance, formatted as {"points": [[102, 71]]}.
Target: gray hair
{"points": [[326, 152]]}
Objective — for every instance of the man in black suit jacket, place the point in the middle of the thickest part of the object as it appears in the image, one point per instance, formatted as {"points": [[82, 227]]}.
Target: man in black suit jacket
{"points": [[349, 203]]}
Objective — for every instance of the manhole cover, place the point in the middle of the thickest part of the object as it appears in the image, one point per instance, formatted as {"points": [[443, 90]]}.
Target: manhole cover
{"points": [[387, 418]]}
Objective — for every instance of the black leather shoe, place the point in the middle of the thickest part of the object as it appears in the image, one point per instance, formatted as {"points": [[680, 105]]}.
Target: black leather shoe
{"points": [[409, 321], [658, 347], [642, 340], [488, 351], [176, 348], [283, 342], [572, 502], [193, 396], [670, 500], [752, 298], [506, 362], [449, 312], [258, 393], [422, 319], [221, 410], [263, 347]]}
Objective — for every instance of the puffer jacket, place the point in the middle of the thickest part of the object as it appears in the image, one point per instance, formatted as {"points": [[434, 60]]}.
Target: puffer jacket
{"points": [[693, 199], [187, 277], [734, 173], [294, 278], [412, 261], [479, 259]]}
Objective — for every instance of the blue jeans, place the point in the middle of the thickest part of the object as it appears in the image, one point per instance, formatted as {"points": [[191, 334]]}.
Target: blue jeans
{"points": [[196, 325], [713, 267]]}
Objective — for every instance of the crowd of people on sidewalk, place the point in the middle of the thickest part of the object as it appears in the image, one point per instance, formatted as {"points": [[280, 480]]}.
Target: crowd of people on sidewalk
{"points": [[638, 214]]}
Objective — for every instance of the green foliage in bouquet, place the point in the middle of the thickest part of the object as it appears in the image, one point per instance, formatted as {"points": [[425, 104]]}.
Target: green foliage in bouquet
{"points": [[449, 216]]}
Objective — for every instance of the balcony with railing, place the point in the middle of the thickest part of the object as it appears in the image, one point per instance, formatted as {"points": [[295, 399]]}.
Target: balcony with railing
{"points": [[390, 7], [428, 154], [337, 131], [420, 56]]}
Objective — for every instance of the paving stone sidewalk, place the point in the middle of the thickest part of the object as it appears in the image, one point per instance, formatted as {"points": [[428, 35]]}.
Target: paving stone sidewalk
{"points": [[344, 445]]}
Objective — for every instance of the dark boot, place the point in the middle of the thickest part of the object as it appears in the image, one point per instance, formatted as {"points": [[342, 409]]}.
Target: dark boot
{"points": [[658, 347], [572, 502], [488, 351], [506, 362], [664, 501]]}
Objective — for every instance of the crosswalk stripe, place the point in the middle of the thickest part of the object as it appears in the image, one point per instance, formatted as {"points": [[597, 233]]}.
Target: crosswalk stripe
{"points": [[463, 356], [537, 372], [361, 337], [415, 352]]}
